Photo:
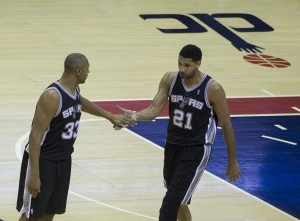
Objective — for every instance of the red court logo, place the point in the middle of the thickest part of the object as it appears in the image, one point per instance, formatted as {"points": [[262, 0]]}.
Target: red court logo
{"points": [[266, 61]]}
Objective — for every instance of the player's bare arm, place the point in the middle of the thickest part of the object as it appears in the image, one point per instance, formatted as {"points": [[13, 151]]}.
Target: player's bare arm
{"points": [[46, 109], [116, 119], [158, 102], [217, 99]]}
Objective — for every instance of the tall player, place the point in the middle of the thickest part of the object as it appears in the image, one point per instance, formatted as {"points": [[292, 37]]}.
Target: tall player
{"points": [[196, 104], [46, 165]]}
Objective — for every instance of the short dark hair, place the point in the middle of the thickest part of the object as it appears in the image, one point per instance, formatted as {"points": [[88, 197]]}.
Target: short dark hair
{"points": [[74, 61], [191, 51]]}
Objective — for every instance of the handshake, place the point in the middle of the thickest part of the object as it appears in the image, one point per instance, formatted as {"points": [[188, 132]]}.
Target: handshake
{"points": [[127, 118]]}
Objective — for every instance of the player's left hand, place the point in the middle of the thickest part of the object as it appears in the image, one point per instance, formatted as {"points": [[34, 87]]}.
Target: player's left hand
{"points": [[128, 112], [233, 171], [120, 121]]}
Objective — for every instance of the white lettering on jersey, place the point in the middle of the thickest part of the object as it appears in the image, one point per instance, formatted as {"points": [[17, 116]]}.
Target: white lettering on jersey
{"points": [[69, 112], [191, 102]]}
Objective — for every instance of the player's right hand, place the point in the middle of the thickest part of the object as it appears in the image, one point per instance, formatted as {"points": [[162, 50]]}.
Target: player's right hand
{"points": [[34, 185]]}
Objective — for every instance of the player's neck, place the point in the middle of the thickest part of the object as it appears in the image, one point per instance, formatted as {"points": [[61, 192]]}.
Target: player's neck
{"points": [[191, 82], [68, 84]]}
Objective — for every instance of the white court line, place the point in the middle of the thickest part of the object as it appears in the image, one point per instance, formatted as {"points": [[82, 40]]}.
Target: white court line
{"points": [[18, 151], [110, 206], [150, 99], [280, 127], [21, 140], [19, 145], [144, 139], [280, 140], [223, 181], [296, 109], [267, 92], [264, 115], [252, 196]]}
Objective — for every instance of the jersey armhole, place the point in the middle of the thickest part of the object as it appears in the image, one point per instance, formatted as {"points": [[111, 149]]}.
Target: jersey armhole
{"points": [[173, 83], [206, 93], [60, 99]]}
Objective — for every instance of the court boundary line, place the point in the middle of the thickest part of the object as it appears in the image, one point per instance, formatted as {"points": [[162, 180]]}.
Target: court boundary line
{"points": [[21, 140], [224, 181], [150, 99], [18, 152]]}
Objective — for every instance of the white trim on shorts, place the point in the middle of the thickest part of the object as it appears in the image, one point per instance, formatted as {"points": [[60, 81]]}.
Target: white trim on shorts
{"points": [[198, 174], [26, 195]]}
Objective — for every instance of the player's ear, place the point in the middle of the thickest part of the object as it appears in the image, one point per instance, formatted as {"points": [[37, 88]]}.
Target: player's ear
{"points": [[198, 63]]}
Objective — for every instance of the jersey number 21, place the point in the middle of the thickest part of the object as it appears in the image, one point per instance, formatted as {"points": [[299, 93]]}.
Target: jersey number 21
{"points": [[182, 119]]}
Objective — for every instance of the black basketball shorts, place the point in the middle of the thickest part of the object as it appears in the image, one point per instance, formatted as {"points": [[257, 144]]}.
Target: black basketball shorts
{"points": [[55, 181], [183, 168]]}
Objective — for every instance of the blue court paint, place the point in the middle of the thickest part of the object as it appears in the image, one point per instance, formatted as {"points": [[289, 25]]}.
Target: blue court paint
{"points": [[270, 169]]}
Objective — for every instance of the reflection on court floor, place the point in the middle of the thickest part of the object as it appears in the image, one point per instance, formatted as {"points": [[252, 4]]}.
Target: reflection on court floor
{"points": [[268, 147]]}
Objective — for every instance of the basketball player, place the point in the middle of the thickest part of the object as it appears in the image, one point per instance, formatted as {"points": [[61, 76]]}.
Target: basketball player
{"points": [[46, 165], [196, 104]]}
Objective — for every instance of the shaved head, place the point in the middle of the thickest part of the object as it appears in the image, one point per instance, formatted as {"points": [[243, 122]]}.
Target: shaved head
{"points": [[75, 60]]}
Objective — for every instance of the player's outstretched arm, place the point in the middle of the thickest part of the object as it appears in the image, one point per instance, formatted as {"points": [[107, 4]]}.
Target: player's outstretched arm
{"points": [[116, 119], [157, 104]]}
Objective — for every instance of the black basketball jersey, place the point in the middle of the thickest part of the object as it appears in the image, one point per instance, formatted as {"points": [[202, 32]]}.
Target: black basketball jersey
{"points": [[58, 140], [192, 119]]}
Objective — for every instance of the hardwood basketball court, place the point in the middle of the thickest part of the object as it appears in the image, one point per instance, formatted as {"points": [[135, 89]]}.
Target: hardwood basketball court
{"points": [[130, 45]]}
